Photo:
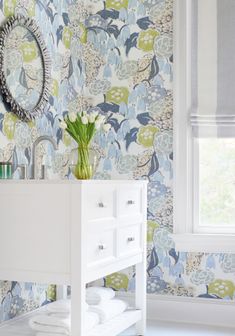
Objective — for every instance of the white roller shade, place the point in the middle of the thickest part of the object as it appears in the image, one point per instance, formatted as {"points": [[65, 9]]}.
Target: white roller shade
{"points": [[213, 68]]}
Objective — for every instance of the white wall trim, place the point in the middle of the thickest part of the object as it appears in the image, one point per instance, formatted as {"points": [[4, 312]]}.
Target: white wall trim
{"points": [[183, 212], [207, 243], [188, 310]]}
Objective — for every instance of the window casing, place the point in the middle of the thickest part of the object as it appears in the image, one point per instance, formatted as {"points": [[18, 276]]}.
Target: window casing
{"points": [[194, 227]]}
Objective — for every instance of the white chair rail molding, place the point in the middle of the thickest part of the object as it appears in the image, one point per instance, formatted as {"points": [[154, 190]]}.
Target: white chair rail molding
{"points": [[204, 126]]}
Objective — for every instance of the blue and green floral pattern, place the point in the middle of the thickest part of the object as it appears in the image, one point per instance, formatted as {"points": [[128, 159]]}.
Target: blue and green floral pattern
{"points": [[115, 57]]}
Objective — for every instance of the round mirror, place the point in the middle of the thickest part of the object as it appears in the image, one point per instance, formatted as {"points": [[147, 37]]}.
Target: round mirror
{"points": [[24, 68]]}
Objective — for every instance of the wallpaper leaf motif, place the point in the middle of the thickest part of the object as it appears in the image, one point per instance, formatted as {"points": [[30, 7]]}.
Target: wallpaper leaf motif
{"points": [[114, 57]]}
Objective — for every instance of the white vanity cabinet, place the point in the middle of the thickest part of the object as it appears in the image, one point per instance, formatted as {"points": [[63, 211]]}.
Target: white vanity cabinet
{"points": [[75, 232]]}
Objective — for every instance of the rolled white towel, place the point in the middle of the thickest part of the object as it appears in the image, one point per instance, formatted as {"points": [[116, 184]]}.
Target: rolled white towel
{"points": [[50, 324], [61, 306], [91, 320], [109, 309], [47, 325], [99, 295]]}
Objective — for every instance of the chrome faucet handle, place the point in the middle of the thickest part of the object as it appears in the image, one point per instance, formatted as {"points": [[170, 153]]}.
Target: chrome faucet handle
{"points": [[23, 171], [102, 205], [130, 239], [35, 144], [43, 172], [102, 247], [23, 168]]}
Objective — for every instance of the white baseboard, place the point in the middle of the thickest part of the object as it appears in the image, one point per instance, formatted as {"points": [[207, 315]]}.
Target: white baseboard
{"points": [[188, 310]]}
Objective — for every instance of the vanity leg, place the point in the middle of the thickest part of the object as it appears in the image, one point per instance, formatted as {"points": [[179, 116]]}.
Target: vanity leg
{"points": [[78, 265], [78, 308], [140, 296]]}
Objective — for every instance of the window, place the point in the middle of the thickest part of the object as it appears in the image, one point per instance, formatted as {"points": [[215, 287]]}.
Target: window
{"points": [[215, 187], [204, 121]]}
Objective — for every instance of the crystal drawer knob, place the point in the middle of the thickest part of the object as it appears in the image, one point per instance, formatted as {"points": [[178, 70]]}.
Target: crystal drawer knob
{"points": [[102, 247], [102, 205], [130, 202], [130, 239]]}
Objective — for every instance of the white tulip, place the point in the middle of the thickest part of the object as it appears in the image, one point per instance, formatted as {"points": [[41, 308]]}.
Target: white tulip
{"points": [[97, 124], [63, 124], [106, 127], [92, 118], [72, 116], [84, 119]]}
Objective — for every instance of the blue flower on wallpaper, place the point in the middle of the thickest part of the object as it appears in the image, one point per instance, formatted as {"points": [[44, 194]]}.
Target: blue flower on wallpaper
{"points": [[156, 189], [155, 285], [114, 57]]}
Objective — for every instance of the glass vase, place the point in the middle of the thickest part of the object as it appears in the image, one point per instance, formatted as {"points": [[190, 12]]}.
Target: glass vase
{"points": [[83, 162]]}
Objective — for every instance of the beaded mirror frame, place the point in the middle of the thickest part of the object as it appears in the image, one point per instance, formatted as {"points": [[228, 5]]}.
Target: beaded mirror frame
{"points": [[31, 25]]}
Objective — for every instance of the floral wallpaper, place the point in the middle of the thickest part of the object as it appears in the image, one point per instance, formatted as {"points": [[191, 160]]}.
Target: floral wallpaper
{"points": [[114, 56], [129, 78], [20, 298]]}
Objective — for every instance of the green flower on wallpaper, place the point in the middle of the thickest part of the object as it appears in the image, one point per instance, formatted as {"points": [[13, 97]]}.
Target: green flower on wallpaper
{"points": [[51, 293], [117, 95], [151, 227], [12, 7], [146, 134], [30, 7], [55, 88], [9, 125], [67, 37], [146, 39], [222, 288], [116, 4], [117, 281], [9, 7], [29, 51], [82, 33]]}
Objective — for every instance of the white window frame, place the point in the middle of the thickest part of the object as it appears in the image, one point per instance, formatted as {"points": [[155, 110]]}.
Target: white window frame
{"points": [[185, 145]]}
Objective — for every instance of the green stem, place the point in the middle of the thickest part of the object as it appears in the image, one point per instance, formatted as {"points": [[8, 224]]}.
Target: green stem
{"points": [[83, 168]]}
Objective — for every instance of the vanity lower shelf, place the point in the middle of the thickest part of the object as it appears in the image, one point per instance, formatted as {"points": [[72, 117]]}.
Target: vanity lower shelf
{"points": [[118, 324], [19, 326]]}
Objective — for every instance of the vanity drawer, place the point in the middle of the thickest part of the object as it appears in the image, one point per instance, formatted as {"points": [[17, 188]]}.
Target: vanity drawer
{"points": [[101, 247], [129, 240], [100, 202], [130, 201]]}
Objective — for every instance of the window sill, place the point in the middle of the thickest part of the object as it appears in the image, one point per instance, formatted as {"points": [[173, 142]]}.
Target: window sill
{"points": [[208, 243]]}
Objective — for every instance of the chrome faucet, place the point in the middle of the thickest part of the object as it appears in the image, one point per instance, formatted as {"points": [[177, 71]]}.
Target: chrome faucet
{"points": [[35, 144]]}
